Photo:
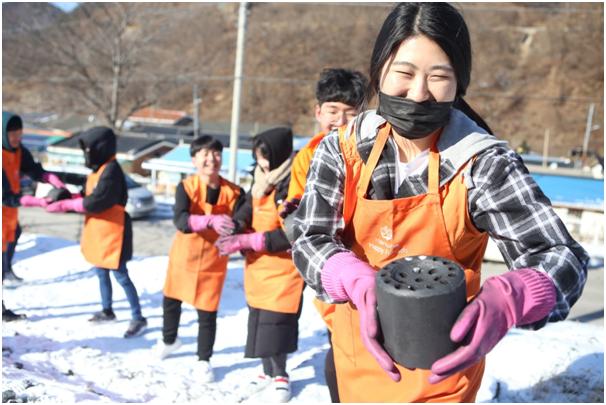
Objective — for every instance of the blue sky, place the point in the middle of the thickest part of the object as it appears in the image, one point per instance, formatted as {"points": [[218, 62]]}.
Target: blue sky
{"points": [[65, 5]]}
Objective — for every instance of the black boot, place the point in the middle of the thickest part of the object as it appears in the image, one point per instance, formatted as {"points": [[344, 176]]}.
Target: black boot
{"points": [[135, 328], [9, 316]]}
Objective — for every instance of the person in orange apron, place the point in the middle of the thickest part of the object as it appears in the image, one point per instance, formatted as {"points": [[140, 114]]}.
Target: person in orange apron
{"points": [[339, 93], [17, 160], [107, 237], [422, 175], [204, 203], [272, 285]]}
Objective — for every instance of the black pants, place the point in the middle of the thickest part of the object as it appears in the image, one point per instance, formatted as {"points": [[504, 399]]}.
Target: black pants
{"points": [[275, 366], [207, 327], [7, 257], [330, 373]]}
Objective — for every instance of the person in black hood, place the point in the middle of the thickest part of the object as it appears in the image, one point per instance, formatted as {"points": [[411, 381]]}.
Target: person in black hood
{"points": [[107, 235], [272, 285], [17, 161]]}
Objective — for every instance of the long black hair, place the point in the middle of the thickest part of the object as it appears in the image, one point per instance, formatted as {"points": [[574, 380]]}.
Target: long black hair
{"points": [[440, 22]]}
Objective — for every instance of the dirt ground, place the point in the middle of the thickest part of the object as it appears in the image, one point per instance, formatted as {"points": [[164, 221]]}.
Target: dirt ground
{"points": [[153, 237]]}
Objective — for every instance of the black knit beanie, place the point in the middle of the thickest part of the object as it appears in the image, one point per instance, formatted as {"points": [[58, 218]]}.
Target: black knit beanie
{"points": [[14, 124]]}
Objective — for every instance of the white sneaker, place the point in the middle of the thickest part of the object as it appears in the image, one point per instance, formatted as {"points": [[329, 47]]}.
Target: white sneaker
{"points": [[279, 391], [165, 350], [204, 372], [257, 384]]}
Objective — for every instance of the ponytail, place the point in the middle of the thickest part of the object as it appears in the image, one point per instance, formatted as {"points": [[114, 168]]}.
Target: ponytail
{"points": [[462, 105]]}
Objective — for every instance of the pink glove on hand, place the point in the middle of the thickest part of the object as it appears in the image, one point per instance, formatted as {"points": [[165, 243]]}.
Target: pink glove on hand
{"points": [[31, 201], [347, 278], [53, 180], [244, 241], [75, 204], [222, 224], [518, 297]]}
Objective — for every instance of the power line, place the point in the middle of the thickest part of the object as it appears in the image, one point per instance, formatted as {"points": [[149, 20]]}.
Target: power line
{"points": [[539, 97], [188, 79]]}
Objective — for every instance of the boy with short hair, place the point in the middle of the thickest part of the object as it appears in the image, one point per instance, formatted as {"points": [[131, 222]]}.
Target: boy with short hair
{"points": [[339, 94], [204, 203]]}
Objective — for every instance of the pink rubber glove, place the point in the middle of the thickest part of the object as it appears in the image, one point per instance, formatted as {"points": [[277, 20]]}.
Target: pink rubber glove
{"points": [[222, 224], [31, 201], [518, 297], [244, 241], [53, 180], [347, 278], [75, 204], [288, 207]]}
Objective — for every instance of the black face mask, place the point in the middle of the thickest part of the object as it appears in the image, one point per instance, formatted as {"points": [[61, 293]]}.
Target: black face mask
{"points": [[413, 120]]}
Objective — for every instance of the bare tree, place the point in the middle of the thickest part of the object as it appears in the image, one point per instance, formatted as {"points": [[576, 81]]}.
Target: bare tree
{"points": [[94, 60]]}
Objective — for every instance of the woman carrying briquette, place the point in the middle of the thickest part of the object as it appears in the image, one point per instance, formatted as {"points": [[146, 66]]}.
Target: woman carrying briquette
{"points": [[424, 172]]}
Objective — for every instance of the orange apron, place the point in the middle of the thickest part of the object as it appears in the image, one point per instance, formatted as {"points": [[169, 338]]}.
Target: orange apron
{"points": [[11, 166], [103, 233], [271, 281], [196, 271], [380, 231]]}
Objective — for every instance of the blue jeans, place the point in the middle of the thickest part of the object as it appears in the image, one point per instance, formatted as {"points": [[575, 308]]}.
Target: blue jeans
{"points": [[121, 275]]}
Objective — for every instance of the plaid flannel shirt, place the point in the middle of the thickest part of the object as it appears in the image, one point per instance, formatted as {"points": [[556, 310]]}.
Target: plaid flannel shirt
{"points": [[503, 201]]}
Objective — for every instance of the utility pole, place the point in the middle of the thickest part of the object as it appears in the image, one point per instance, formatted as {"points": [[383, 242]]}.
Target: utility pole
{"points": [[197, 102], [588, 128], [235, 106], [545, 147]]}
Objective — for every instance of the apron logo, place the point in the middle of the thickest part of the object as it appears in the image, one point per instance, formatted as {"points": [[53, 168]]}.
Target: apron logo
{"points": [[384, 245], [386, 233]]}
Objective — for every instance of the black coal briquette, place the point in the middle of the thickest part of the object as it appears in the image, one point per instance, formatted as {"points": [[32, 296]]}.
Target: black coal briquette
{"points": [[418, 300]]}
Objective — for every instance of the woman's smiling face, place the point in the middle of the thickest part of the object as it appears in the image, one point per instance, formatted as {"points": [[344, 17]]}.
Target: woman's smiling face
{"points": [[419, 71]]}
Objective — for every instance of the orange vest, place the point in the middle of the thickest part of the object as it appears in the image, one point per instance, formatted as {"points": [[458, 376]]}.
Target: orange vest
{"points": [[271, 281], [103, 232], [196, 271], [380, 231], [11, 166]]}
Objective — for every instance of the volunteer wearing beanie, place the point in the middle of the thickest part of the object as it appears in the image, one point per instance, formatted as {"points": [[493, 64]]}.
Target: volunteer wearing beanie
{"points": [[107, 237], [422, 175], [17, 161], [272, 285]]}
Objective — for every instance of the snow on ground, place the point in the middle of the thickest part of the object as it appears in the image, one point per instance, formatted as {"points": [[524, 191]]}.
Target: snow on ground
{"points": [[57, 356]]}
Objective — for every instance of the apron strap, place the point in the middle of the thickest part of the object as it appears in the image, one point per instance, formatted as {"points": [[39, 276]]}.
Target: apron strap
{"points": [[433, 173], [375, 154]]}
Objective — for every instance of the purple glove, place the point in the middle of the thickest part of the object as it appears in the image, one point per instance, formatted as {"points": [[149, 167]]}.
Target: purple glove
{"points": [[31, 201], [288, 207], [222, 224], [75, 204], [244, 241], [53, 180], [518, 297], [347, 278]]}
